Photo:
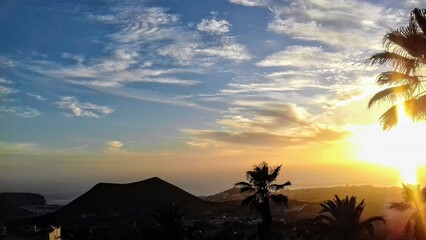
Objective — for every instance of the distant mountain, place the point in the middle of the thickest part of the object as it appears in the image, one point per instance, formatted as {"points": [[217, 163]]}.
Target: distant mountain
{"points": [[11, 203], [24, 199], [376, 198], [132, 199], [367, 192], [232, 194], [10, 210]]}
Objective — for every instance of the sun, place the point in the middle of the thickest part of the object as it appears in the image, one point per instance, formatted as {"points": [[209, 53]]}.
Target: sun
{"points": [[401, 147]]}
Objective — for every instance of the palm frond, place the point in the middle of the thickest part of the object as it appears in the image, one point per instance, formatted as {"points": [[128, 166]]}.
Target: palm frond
{"points": [[279, 199], [242, 184], [397, 78], [392, 94], [390, 118], [326, 219], [400, 62], [274, 174], [400, 206], [405, 40], [368, 226], [279, 187], [420, 19], [416, 108], [250, 201]]}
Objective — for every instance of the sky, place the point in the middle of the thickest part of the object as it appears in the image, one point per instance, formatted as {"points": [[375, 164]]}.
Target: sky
{"points": [[193, 91]]}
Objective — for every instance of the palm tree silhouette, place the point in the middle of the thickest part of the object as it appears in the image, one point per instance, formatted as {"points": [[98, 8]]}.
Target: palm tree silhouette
{"points": [[260, 183], [339, 219], [413, 199], [171, 222], [405, 51]]}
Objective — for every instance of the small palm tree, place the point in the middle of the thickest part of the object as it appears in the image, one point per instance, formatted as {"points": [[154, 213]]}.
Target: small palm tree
{"points": [[405, 51], [339, 219], [260, 183], [413, 199], [170, 220]]}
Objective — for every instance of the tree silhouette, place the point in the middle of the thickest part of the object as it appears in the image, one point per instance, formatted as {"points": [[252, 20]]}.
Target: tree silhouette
{"points": [[413, 199], [405, 51], [170, 220], [339, 219], [260, 183]]}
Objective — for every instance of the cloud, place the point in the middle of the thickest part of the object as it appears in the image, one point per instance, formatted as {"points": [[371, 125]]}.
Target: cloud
{"points": [[23, 112], [6, 90], [146, 25], [37, 97], [316, 58], [298, 56], [116, 71], [4, 81], [266, 125], [19, 148], [213, 26], [82, 109], [194, 53], [221, 139], [114, 146], [249, 3], [228, 50], [262, 116], [340, 25]]}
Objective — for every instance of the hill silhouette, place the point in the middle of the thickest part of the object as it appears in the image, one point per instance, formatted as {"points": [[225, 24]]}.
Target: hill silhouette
{"points": [[367, 192], [136, 199], [11, 203], [10, 210]]}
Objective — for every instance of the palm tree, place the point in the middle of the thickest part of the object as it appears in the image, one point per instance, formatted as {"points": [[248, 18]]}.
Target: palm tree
{"points": [[413, 199], [339, 219], [260, 183], [170, 220], [405, 51]]}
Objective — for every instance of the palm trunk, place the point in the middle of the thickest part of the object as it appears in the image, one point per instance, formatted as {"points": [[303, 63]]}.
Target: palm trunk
{"points": [[265, 227], [420, 231]]}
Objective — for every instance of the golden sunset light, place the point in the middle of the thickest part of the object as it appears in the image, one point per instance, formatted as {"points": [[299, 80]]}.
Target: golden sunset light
{"points": [[398, 147]]}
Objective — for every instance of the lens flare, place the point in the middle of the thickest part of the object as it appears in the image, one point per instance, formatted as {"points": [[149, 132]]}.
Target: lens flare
{"points": [[400, 147]]}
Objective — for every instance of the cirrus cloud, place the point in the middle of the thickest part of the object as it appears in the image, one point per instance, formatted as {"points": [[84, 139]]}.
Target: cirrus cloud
{"points": [[76, 108]]}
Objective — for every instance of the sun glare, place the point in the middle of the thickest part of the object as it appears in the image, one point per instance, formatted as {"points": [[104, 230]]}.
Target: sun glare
{"points": [[399, 147]]}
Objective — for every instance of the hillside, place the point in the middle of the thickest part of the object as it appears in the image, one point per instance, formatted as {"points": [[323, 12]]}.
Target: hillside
{"points": [[11, 203], [367, 192], [376, 198], [128, 200]]}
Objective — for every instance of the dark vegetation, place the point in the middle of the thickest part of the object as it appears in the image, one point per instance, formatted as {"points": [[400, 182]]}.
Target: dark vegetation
{"points": [[405, 52], [96, 215]]}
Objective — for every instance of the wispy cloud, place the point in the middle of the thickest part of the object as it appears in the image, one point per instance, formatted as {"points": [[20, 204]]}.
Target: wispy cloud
{"points": [[342, 24], [6, 90], [17, 147], [250, 3], [23, 112], [4, 81], [37, 97], [82, 109], [266, 125], [214, 26]]}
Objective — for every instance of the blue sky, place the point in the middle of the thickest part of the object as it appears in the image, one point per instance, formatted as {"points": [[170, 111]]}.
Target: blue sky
{"points": [[150, 84]]}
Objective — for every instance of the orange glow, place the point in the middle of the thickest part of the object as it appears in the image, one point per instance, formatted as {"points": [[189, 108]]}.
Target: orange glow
{"points": [[399, 147]]}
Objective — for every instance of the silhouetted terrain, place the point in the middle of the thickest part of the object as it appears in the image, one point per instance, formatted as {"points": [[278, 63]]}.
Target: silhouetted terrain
{"points": [[117, 207], [376, 198], [139, 199], [11, 204], [367, 192]]}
